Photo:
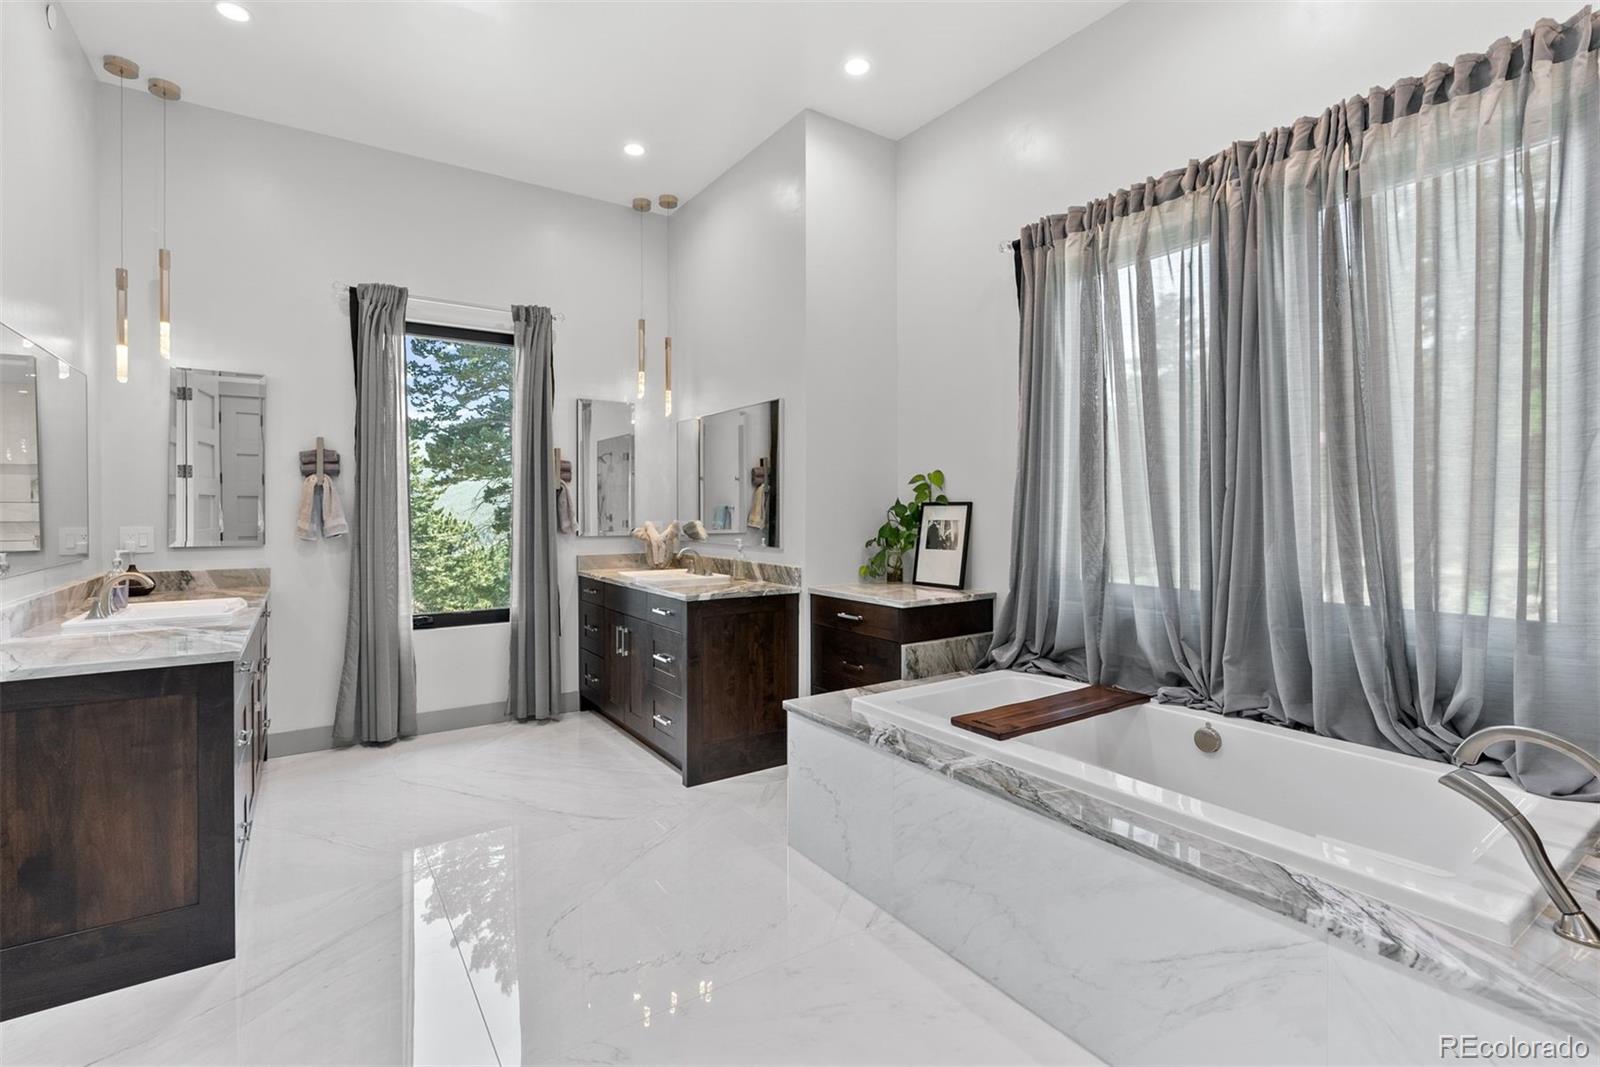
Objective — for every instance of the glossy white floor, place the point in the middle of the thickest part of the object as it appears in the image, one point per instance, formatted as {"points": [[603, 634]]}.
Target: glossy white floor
{"points": [[549, 893]]}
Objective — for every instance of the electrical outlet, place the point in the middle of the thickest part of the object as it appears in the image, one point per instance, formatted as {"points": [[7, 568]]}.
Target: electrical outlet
{"points": [[74, 540], [136, 538]]}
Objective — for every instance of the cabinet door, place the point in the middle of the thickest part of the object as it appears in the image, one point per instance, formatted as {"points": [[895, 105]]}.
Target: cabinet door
{"points": [[636, 671], [614, 678], [241, 773]]}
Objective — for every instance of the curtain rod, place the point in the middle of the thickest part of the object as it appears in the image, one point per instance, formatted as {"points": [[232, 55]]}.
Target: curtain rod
{"points": [[341, 289]]}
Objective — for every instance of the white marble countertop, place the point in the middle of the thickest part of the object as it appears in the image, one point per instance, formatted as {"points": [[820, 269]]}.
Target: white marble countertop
{"points": [[900, 594], [1541, 976], [46, 651], [707, 590]]}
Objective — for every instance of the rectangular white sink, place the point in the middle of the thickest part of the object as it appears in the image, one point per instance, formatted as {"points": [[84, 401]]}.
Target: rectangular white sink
{"points": [[671, 579], [197, 612]]}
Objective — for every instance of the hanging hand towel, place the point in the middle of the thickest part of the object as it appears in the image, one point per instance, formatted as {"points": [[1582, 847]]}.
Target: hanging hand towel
{"points": [[565, 522], [758, 509], [321, 513], [334, 524]]}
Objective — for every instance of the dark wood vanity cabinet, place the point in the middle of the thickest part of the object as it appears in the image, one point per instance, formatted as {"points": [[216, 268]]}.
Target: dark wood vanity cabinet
{"points": [[858, 642], [126, 800], [701, 683]]}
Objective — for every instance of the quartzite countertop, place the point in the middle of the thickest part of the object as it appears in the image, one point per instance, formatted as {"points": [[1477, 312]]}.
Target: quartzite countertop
{"points": [[900, 594], [692, 591], [44, 650]]}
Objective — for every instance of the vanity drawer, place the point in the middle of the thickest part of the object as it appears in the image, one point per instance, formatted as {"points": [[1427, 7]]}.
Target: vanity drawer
{"points": [[591, 627], [625, 600], [666, 661], [856, 659], [852, 616], [591, 590], [666, 721], [590, 664], [665, 611]]}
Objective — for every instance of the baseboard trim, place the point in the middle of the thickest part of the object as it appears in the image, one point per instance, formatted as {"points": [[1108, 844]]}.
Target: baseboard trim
{"points": [[320, 738]]}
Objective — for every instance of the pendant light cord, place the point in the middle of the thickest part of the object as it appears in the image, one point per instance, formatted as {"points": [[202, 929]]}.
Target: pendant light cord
{"points": [[163, 172], [641, 264], [122, 171]]}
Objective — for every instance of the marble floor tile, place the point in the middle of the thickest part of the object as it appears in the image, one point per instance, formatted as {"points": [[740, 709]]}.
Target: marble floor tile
{"points": [[538, 893]]}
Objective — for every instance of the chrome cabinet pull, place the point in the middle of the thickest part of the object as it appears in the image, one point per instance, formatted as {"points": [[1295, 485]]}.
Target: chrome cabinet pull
{"points": [[662, 657], [591, 589], [589, 679], [627, 642], [847, 617], [856, 667], [590, 628], [661, 720], [246, 666], [243, 739], [663, 612]]}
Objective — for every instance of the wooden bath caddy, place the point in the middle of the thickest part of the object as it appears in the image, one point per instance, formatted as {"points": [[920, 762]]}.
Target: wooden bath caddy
{"points": [[1014, 720]]}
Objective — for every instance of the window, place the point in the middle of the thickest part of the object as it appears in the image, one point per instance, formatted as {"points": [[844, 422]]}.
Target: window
{"points": [[458, 402]]}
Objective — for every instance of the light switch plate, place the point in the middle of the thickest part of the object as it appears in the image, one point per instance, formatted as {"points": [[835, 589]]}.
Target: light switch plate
{"points": [[74, 540], [136, 538]]}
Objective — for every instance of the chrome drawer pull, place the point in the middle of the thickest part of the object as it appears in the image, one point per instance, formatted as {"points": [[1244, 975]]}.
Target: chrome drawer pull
{"points": [[589, 679], [590, 628], [243, 739], [847, 617], [663, 612], [592, 589], [856, 667], [662, 657], [661, 720]]}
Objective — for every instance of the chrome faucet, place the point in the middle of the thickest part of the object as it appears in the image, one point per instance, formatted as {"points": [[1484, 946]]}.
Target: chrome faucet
{"points": [[694, 553], [1572, 924], [104, 601]]}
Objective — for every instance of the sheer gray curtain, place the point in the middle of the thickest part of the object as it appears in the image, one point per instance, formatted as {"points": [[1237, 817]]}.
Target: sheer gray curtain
{"points": [[1309, 429], [377, 688], [535, 691]]}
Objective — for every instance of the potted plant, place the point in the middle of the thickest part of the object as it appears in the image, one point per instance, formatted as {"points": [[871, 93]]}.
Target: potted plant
{"points": [[898, 534]]}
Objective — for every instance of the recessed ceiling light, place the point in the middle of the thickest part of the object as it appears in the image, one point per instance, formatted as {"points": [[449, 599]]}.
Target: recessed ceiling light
{"points": [[633, 148], [856, 66], [233, 12]]}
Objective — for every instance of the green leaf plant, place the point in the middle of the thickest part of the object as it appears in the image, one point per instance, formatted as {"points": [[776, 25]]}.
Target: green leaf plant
{"points": [[898, 534]]}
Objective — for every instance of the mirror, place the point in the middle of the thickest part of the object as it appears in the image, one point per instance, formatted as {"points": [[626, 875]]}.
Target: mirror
{"points": [[216, 453], [727, 472], [44, 457], [604, 472]]}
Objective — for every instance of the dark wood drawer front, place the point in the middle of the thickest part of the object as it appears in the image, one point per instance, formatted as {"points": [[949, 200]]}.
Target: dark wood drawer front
{"points": [[591, 627], [590, 679], [665, 611], [626, 601], [856, 658], [666, 723], [667, 659], [852, 616], [591, 590], [934, 622]]}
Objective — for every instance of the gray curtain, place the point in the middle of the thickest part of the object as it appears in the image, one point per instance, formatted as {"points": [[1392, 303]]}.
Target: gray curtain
{"points": [[535, 691], [377, 689], [1308, 429]]}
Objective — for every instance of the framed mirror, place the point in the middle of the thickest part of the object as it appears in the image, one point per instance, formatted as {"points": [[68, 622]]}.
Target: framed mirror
{"points": [[216, 496], [44, 457], [728, 472], [604, 471]]}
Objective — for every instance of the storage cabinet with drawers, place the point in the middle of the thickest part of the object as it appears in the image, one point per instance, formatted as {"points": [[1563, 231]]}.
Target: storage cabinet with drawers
{"points": [[700, 682], [859, 633]]}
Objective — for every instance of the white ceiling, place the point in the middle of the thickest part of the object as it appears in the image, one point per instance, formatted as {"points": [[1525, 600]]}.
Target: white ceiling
{"points": [[549, 92]]}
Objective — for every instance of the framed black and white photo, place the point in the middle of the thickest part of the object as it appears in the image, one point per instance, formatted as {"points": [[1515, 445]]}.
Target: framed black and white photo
{"points": [[942, 545]]}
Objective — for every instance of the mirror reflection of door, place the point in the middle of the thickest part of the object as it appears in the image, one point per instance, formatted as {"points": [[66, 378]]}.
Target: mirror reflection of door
{"points": [[613, 482], [20, 524], [605, 467], [217, 445]]}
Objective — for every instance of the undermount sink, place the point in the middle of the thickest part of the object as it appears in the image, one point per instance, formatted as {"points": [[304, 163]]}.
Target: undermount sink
{"points": [[678, 576], [196, 612]]}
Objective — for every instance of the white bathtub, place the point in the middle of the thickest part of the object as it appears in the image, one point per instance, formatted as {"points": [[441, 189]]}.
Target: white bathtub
{"points": [[1372, 821]]}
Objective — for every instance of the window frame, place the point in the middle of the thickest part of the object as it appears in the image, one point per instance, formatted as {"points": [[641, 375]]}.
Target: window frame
{"points": [[439, 620]]}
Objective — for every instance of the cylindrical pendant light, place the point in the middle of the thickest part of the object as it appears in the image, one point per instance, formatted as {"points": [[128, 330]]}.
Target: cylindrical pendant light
{"points": [[668, 202], [126, 69], [166, 91], [641, 204]]}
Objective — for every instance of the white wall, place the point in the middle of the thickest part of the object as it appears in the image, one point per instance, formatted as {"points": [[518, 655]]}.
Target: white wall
{"points": [[738, 302], [48, 220], [1138, 93], [263, 220]]}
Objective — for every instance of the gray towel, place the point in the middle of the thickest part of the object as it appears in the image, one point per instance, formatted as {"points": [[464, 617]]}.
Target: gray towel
{"points": [[321, 513], [565, 522]]}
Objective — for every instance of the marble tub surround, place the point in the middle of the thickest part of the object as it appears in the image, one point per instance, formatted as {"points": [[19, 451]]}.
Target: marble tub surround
{"points": [[958, 846], [901, 594], [44, 650], [951, 655]]}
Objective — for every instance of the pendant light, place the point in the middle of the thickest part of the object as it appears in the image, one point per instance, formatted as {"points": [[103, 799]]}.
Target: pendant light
{"points": [[166, 91], [126, 69], [668, 202], [641, 204]]}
